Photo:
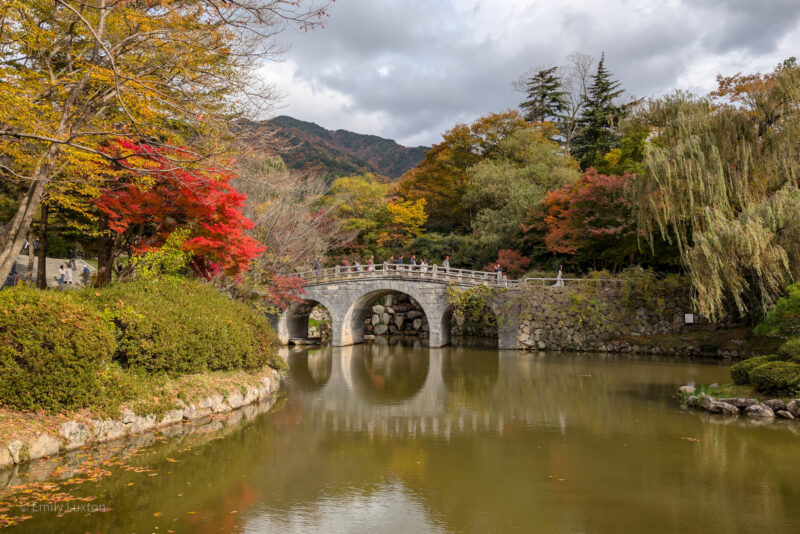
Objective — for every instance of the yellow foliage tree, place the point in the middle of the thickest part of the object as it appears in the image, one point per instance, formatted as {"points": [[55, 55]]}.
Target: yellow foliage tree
{"points": [[76, 73]]}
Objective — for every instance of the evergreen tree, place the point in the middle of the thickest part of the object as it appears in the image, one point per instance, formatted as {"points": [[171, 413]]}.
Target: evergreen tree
{"points": [[546, 98], [599, 118]]}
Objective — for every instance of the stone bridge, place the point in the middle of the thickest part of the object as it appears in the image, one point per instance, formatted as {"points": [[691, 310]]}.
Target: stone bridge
{"points": [[349, 295], [546, 315]]}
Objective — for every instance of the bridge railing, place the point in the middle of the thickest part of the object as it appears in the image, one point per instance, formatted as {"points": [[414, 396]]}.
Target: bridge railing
{"points": [[435, 273], [392, 270], [560, 282]]}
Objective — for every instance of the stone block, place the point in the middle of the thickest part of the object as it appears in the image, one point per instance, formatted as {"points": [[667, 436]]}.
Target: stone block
{"points": [[44, 445], [76, 434], [15, 449], [107, 430]]}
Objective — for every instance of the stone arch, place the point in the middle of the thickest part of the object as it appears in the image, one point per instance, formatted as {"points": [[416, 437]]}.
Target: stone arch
{"points": [[293, 323], [433, 304]]}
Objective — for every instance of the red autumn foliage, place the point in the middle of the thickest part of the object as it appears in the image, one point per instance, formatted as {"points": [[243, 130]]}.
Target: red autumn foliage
{"points": [[152, 202], [591, 219], [282, 291], [511, 262]]}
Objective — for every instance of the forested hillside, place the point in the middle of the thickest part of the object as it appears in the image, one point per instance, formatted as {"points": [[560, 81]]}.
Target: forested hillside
{"points": [[340, 153]]}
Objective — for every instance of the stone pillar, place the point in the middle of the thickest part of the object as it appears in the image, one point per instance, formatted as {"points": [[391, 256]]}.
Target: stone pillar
{"points": [[507, 333], [439, 325]]}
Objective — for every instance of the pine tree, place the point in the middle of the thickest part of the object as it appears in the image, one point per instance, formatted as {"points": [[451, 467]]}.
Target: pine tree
{"points": [[545, 96], [599, 118]]}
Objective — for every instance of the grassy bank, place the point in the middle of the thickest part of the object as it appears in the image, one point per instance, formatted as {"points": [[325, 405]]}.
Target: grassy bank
{"points": [[143, 346]]}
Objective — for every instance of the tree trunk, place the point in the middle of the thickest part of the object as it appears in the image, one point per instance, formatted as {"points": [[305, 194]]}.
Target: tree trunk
{"points": [[105, 255], [23, 219], [29, 273], [18, 228], [41, 273]]}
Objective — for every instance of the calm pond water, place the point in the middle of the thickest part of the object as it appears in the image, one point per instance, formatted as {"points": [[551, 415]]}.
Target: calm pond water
{"points": [[458, 439]]}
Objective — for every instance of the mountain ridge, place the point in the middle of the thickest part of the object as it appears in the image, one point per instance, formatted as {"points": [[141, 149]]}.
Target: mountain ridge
{"points": [[341, 152]]}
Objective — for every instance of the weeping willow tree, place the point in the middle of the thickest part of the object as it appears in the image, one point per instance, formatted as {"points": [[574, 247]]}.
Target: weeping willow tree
{"points": [[721, 184]]}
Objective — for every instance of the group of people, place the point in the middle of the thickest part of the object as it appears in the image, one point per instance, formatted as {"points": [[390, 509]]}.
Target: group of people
{"points": [[356, 267], [65, 274]]}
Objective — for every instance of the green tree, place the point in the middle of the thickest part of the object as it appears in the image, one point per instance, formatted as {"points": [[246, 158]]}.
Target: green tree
{"points": [[441, 177], [722, 185], [599, 118], [502, 188], [546, 98]]}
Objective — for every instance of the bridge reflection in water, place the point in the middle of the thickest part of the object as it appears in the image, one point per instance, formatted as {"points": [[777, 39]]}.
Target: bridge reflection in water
{"points": [[395, 390]]}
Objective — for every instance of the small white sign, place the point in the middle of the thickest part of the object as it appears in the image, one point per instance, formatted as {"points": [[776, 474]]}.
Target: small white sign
{"points": [[688, 318]]}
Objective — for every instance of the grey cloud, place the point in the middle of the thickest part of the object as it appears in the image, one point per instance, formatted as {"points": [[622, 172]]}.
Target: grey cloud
{"points": [[440, 70]]}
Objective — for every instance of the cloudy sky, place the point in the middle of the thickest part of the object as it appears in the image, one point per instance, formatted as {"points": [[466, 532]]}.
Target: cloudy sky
{"points": [[411, 69]]}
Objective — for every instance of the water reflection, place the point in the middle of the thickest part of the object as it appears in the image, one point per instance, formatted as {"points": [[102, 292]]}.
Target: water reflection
{"points": [[310, 369], [466, 370], [391, 439], [388, 373]]}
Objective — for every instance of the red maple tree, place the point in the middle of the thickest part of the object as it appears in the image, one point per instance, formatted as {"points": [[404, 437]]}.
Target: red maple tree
{"points": [[591, 219], [161, 195]]}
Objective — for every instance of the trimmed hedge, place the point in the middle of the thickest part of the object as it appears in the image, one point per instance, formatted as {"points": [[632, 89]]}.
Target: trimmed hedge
{"points": [[790, 350], [186, 327], [56, 347], [784, 319], [51, 350], [740, 372], [776, 378]]}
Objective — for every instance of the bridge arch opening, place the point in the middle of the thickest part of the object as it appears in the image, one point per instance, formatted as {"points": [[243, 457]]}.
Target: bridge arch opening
{"points": [[386, 312], [478, 326], [309, 320]]}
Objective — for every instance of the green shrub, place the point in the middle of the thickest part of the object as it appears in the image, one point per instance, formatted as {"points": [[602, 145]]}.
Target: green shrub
{"points": [[776, 378], [51, 349], [740, 372], [182, 327], [790, 350], [784, 319]]}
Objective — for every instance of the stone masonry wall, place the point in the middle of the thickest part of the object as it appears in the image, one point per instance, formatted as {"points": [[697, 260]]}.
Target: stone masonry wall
{"points": [[396, 315], [569, 318]]}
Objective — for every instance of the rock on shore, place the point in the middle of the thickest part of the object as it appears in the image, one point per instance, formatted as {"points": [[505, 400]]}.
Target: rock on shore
{"points": [[72, 435], [743, 406]]}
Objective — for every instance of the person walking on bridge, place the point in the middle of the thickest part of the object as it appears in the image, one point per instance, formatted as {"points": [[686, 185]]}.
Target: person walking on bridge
{"points": [[413, 262], [317, 267], [446, 263]]}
